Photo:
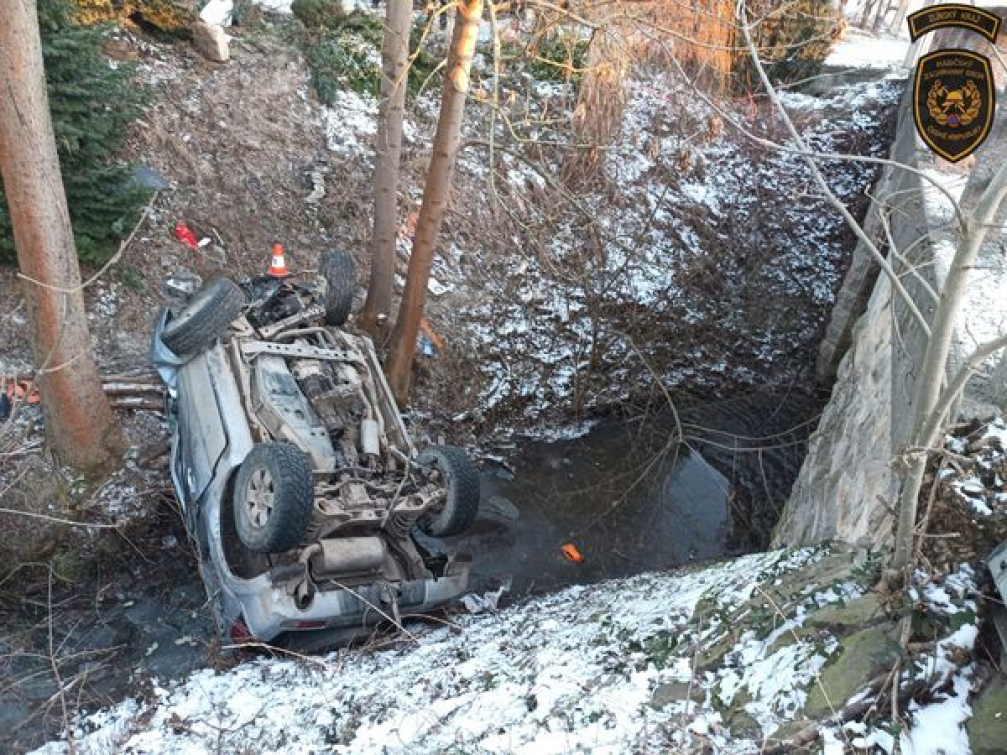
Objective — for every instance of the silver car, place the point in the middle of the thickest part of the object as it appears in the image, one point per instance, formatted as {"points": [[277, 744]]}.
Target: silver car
{"points": [[301, 487]]}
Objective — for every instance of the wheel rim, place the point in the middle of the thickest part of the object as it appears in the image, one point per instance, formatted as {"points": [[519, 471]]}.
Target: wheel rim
{"points": [[259, 497]]}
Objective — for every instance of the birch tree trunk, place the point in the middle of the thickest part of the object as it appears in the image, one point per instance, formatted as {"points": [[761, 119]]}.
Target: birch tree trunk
{"points": [[900, 16], [79, 422], [388, 150], [435, 197], [869, 7], [926, 394]]}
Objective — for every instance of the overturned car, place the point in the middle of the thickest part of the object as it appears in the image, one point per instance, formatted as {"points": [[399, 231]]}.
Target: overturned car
{"points": [[299, 482]]}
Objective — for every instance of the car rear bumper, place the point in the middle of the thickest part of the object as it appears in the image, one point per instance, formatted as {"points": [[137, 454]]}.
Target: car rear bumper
{"points": [[270, 610]]}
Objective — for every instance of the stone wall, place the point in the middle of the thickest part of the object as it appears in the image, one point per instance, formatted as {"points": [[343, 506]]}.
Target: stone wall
{"points": [[849, 480]]}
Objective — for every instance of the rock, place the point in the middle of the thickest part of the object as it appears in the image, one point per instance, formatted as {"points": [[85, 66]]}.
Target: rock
{"points": [[664, 694], [743, 726], [861, 656], [738, 720], [861, 612], [211, 42], [987, 728], [712, 657], [789, 729]]}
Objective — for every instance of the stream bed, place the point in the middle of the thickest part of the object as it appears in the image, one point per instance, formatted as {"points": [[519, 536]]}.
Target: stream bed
{"points": [[627, 497], [624, 499]]}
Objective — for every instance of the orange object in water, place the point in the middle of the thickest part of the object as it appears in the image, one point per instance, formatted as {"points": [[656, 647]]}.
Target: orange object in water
{"points": [[571, 552], [278, 265]]}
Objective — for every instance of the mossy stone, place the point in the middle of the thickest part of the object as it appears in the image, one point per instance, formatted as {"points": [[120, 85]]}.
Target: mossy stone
{"points": [[743, 726], [860, 657], [665, 694], [861, 612], [987, 729]]}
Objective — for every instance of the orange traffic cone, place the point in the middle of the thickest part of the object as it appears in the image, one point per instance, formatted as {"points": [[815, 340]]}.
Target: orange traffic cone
{"points": [[278, 266]]}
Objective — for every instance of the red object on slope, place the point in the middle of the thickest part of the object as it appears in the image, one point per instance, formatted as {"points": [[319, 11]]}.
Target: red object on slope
{"points": [[184, 234]]}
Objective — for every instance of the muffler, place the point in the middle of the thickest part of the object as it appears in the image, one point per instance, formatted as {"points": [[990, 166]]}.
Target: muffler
{"points": [[347, 556], [370, 441]]}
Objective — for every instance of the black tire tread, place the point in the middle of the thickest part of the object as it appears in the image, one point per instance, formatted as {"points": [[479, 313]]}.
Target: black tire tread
{"points": [[462, 504], [295, 497], [340, 273], [208, 323]]}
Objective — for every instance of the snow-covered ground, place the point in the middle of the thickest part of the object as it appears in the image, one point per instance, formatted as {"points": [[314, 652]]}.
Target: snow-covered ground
{"points": [[655, 663], [860, 50], [574, 671]]}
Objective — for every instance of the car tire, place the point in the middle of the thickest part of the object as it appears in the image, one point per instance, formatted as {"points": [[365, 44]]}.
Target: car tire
{"points": [[340, 273], [274, 496], [461, 501], [204, 318]]}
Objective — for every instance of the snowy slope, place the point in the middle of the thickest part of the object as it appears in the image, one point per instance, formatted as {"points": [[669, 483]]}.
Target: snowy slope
{"points": [[574, 671]]}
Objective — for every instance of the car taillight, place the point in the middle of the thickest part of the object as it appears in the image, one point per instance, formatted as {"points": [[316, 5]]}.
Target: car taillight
{"points": [[239, 633], [308, 625]]}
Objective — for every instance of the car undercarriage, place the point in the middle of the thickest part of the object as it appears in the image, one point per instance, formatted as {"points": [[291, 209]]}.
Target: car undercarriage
{"points": [[299, 478]]}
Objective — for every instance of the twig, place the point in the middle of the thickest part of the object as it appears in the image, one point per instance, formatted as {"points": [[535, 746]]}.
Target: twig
{"points": [[58, 520], [55, 672]]}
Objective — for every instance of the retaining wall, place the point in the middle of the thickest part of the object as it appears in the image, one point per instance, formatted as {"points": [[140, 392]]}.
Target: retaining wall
{"points": [[849, 480]]}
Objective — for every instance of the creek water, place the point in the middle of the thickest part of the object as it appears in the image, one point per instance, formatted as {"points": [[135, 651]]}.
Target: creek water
{"points": [[631, 499], [624, 498]]}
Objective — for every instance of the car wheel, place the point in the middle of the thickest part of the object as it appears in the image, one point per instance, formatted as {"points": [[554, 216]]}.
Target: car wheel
{"points": [[274, 496], [461, 500], [204, 318], [340, 273]]}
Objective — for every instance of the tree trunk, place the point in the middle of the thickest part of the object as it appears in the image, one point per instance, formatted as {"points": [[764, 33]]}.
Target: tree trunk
{"points": [[900, 16], [597, 119], [869, 6], [883, 7], [388, 149], [926, 425], [435, 197], [79, 423]]}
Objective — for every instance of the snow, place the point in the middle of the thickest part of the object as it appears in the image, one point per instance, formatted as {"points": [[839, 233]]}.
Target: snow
{"points": [[869, 739], [219, 12], [859, 50], [279, 6], [350, 123], [691, 194], [574, 671], [569, 672], [938, 728], [980, 485]]}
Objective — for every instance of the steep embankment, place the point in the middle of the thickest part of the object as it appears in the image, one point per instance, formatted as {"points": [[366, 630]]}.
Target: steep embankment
{"points": [[746, 656]]}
